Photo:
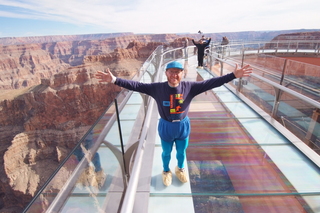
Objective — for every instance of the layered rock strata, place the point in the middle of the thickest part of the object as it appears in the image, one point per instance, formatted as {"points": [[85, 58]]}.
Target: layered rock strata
{"points": [[41, 122]]}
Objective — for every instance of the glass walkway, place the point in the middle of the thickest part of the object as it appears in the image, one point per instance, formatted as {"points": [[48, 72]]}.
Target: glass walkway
{"points": [[239, 159]]}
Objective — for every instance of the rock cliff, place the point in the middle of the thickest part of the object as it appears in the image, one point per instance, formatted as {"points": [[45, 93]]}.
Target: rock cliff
{"points": [[24, 65], [299, 36], [38, 128], [42, 120], [49, 98], [59, 38]]}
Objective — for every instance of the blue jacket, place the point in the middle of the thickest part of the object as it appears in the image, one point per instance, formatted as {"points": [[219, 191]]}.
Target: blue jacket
{"points": [[173, 103]]}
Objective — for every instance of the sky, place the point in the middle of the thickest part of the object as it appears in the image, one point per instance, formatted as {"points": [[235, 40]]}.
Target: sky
{"points": [[23, 18]]}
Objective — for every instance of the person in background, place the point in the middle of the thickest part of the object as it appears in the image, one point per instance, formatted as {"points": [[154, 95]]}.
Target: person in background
{"points": [[185, 47], [185, 66], [91, 176], [173, 98], [201, 45], [225, 41]]}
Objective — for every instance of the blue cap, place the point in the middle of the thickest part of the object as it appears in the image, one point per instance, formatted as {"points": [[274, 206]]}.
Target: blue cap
{"points": [[174, 64]]}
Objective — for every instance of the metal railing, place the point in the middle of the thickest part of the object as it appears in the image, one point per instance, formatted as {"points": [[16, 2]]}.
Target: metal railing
{"points": [[164, 57], [51, 199], [268, 89], [287, 90], [239, 90]]}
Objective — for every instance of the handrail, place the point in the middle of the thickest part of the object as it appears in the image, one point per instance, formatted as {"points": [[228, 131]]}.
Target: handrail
{"points": [[158, 55], [278, 86], [64, 192], [129, 198], [130, 194], [309, 151], [291, 92], [128, 203], [277, 46]]}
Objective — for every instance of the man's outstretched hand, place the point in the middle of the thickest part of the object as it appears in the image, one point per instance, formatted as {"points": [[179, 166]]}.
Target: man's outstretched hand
{"points": [[242, 72], [106, 76]]}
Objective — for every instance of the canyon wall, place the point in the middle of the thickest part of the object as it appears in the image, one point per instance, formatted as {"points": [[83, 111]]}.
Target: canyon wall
{"points": [[49, 98], [58, 38], [24, 65], [47, 104]]}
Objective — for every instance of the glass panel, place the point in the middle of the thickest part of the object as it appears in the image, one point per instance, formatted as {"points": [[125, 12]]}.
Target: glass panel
{"points": [[303, 78], [238, 171], [262, 132], [271, 66], [271, 204], [86, 195], [135, 98], [260, 93], [295, 167], [81, 180], [85, 181], [249, 204], [236, 161], [217, 131], [247, 169], [300, 118]]}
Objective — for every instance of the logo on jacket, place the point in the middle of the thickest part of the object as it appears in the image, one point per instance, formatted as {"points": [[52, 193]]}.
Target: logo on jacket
{"points": [[176, 100]]}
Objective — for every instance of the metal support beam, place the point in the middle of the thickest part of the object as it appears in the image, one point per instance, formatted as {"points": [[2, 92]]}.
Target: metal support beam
{"points": [[311, 130], [127, 156]]}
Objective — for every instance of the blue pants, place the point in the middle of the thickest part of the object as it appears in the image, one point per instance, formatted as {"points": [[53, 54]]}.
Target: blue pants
{"points": [[170, 133], [88, 144]]}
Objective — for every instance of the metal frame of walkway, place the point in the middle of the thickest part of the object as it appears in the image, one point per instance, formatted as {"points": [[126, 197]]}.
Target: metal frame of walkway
{"points": [[240, 157]]}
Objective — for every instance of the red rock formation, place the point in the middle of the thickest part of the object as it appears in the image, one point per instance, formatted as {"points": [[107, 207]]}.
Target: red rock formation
{"points": [[40, 124], [58, 38], [25, 65], [48, 121], [300, 36]]}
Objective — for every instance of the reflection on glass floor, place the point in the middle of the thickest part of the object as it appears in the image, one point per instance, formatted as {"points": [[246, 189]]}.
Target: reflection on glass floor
{"points": [[86, 196], [236, 162]]}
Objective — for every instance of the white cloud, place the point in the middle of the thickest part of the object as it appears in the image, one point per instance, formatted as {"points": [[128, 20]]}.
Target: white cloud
{"points": [[166, 16]]}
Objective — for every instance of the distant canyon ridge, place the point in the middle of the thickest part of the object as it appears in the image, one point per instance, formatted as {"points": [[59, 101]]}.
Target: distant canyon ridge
{"points": [[49, 97]]}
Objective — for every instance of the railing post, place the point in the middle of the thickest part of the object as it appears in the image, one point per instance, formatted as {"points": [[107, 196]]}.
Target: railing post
{"points": [[185, 49], [283, 71], [278, 92], [276, 102], [240, 80], [315, 118]]}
